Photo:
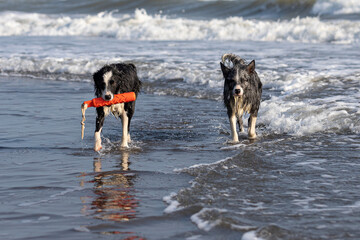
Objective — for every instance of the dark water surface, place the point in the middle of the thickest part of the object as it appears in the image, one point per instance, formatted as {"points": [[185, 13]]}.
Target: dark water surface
{"points": [[54, 186]]}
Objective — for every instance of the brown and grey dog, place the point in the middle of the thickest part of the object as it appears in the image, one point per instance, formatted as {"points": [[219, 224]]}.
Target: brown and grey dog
{"points": [[109, 80], [242, 93]]}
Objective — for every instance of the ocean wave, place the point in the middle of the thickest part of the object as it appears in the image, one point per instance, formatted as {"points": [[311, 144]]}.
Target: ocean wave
{"points": [[171, 75], [336, 7], [205, 9], [142, 26], [304, 118], [51, 67]]}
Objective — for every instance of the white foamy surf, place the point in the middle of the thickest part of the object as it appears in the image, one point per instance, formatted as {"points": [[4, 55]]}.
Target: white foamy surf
{"points": [[142, 26], [207, 225]]}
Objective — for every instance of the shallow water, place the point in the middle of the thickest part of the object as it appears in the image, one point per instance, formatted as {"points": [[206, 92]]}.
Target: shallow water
{"points": [[51, 178], [289, 187], [180, 179]]}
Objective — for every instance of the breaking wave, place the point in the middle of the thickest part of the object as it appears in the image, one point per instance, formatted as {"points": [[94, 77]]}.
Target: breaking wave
{"points": [[142, 26], [336, 7], [264, 9]]}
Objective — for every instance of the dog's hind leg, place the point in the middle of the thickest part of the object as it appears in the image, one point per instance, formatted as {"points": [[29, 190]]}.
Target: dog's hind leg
{"points": [[251, 127], [129, 108], [241, 125], [129, 121], [240, 122], [100, 117], [129, 137]]}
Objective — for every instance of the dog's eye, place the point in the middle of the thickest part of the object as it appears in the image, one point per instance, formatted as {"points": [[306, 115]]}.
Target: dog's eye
{"points": [[111, 82]]}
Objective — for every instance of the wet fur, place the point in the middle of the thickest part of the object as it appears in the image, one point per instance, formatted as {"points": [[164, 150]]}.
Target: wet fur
{"points": [[243, 78], [114, 79]]}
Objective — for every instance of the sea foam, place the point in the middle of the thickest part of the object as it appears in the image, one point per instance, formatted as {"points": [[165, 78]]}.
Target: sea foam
{"points": [[142, 26], [208, 214], [173, 205], [251, 235], [301, 118]]}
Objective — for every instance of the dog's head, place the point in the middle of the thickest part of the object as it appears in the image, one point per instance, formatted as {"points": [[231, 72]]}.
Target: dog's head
{"points": [[106, 83], [237, 77], [116, 78]]}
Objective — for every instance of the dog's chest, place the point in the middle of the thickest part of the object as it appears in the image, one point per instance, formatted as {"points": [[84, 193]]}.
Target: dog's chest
{"points": [[115, 109], [240, 107]]}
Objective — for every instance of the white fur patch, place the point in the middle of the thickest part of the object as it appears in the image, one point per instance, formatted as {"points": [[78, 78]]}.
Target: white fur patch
{"points": [[107, 76], [97, 144], [117, 109], [240, 108], [251, 129], [234, 134]]}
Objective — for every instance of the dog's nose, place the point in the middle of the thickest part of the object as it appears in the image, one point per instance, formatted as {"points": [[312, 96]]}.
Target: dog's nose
{"points": [[107, 97], [237, 91]]}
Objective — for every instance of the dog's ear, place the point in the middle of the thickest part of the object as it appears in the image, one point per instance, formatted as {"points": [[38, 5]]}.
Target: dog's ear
{"points": [[251, 67], [225, 70], [96, 77], [133, 66]]}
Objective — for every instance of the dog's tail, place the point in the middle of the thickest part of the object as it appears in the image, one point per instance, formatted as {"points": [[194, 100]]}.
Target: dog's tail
{"points": [[228, 58]]}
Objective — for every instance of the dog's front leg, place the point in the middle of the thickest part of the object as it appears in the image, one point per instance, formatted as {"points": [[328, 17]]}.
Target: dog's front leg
{"points": [[251, 128], [232, 119], [125, 130], [100, 117], [234, 134]]}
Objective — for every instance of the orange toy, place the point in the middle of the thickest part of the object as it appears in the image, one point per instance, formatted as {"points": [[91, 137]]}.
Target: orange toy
{"points": [[99, 102]]}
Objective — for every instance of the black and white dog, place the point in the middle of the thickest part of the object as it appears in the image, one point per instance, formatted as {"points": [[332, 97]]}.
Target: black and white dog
{"points": [[109, 80], [242, 93]]}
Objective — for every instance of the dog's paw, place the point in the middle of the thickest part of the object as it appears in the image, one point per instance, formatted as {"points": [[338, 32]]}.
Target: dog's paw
{"points": [[124, 145], [232, 142], [252, 136], [97, 147]]}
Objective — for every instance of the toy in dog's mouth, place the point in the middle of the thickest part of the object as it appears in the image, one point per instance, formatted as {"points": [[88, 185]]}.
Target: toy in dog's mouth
{"points": [[100, 102]]}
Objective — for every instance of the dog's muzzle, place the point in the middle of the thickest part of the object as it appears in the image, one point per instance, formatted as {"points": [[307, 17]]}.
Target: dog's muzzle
{"points": [[238, 91], [107, 97]]}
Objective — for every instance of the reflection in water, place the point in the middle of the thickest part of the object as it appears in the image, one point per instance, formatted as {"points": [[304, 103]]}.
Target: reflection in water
{"points": [[114, 198]]}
